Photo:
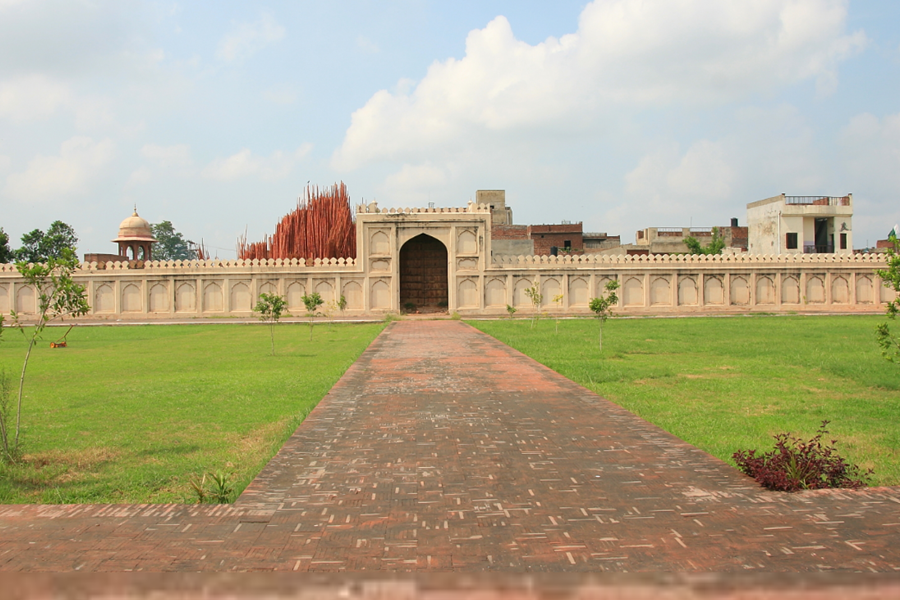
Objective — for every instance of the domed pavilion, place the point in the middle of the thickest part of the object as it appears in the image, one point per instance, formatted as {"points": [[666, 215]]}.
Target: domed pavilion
{"points": [[135, 236]]}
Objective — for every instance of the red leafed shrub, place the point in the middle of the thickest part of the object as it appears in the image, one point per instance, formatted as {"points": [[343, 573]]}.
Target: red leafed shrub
{"points": [[795, 465]]}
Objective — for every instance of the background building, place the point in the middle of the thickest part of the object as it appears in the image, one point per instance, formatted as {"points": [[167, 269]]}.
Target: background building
{"points": [[801, 224]]}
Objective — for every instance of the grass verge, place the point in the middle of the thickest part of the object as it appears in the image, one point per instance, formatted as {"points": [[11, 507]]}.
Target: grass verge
{"points": [[128, 414], [727, 384]]}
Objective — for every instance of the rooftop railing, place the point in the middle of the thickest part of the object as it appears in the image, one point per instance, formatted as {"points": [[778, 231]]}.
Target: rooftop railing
{"points": [[818, 200]]}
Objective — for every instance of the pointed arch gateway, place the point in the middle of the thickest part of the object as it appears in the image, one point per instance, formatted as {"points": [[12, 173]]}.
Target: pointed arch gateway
{"points": [[423, 274]]}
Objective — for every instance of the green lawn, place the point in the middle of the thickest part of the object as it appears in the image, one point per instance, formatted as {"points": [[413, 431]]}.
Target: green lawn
{"points": [[129, 413], [725, 384]]}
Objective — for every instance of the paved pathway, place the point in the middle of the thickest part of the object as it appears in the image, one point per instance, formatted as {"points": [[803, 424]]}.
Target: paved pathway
{"points": [[442, 449]]}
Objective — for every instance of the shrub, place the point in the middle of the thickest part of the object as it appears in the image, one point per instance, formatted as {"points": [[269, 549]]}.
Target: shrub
{"points": [[795, 465]]}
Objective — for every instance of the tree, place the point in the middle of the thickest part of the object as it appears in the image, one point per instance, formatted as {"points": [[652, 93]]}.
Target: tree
{"points": [[602, 306], [534, 293], [58, 297], [39, 247], [6, 254], [715, 246], [270, 308], [312, 302], [890, 344], [171, 244], [557, 300]]}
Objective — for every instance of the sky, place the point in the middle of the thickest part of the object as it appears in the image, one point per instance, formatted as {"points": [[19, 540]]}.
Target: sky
{"points": [[621, 114]]}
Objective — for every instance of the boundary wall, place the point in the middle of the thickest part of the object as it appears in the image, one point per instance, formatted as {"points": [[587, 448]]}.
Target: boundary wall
{"points": [[478, 283]]}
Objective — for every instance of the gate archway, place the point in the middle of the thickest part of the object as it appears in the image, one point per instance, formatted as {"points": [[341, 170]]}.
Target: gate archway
{"points": [[423, 275]]}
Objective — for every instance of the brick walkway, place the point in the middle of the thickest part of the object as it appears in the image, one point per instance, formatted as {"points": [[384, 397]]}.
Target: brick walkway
{"points": [[442, 449]]}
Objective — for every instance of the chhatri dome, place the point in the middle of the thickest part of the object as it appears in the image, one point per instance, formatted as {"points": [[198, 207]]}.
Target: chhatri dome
{"points": [[135, 235]]}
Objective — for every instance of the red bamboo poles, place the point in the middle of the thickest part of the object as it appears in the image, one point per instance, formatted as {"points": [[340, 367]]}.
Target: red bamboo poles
{"points": [[320, 227]]}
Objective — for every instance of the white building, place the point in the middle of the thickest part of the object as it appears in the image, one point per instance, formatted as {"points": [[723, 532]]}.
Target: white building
{"points": [[801, 224]]}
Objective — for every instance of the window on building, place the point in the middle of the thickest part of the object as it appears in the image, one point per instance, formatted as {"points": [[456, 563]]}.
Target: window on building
{"points": [[843, 241], [567, 244], [791, 241]]}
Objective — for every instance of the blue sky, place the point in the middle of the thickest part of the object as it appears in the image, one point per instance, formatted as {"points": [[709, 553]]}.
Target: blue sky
{"points": [[623, 114]]}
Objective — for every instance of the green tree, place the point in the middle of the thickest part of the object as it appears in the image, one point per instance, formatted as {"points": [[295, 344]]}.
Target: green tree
{"points": [[270, 308], [602, 306], [890, 277], [58, 297], [312, 302], [536, 297], [6, 254], [715, 246], [557, 300], [39, 247], [171, 244]]}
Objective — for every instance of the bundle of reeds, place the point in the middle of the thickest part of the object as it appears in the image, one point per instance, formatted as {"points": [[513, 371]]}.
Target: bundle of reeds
{"points": [[321, 226]]}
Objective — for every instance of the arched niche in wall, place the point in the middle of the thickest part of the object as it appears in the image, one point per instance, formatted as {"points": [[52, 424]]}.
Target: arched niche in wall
{"points": [[790, 290], [381, 295], [765, 290], [864, 289], [240, 297], [840, 290], [633, 291], [131, 298], [158, 298], [213, 297], [815, 290], [660, 291], [578, 292], [687, 291], [520, 298], [4, 298], [466, 243], [601, 287], [353, 294], [295, 293], [268, 287], [185, 297], [740, 291], [325, 291], [26, 300], [550, 289], [467, 294], [495, 292], [713, 290], [380, 243], [104, 299]]}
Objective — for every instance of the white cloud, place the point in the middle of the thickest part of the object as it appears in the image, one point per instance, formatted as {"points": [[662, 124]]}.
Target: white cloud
{"points": [[178, 155], [139, 176], [367, 45], [248, 38], [667, 184], [80, 160], [281, 96], [32, 97], [872, 147], [246, 164], [625, 55]]}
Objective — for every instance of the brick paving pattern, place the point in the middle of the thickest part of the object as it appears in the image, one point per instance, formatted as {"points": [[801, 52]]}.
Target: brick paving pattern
{"points": [[441, 449]]}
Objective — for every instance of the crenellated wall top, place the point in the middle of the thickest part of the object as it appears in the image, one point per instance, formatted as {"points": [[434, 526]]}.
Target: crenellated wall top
{"points": [[873, 259], [372, 208], [168, 265]]}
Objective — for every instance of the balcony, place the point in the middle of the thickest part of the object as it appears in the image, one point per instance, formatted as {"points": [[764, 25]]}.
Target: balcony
{"points": [[814, 249], [818, 200]]}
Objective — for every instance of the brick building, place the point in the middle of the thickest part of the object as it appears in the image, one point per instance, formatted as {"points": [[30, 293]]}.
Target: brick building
{"points": [[565, 237]]}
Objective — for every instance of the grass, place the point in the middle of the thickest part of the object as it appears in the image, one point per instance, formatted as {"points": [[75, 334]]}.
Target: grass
{"points": [[128, 414], [727, 384]]}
